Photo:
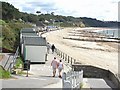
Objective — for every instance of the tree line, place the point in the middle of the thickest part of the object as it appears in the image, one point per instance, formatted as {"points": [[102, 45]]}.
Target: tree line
{"points": [[9, 12], [12, 21]]}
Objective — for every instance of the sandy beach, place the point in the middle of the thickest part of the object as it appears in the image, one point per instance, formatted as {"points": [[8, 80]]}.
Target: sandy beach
{"points": [[100, 54]]}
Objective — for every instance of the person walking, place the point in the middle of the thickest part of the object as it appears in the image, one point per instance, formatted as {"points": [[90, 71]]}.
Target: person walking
{"points": [[53, 48], [48, 47], [60, 68], [54, 65]]}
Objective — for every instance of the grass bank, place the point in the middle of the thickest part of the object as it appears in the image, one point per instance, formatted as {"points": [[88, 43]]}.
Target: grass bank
{"points": [[2, 22], [3, 73]]}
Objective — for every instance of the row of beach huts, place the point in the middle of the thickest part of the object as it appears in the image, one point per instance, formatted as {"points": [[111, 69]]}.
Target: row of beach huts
{"points": [[33, 46]]}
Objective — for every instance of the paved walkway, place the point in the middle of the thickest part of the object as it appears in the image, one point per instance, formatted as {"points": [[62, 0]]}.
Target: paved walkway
{"points": [[41, 77], [94, 83]]}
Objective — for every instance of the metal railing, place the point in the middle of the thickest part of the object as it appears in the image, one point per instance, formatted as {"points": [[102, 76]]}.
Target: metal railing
{"points": [[68, 59], [13, 60], [6, 62], [72, 79]]}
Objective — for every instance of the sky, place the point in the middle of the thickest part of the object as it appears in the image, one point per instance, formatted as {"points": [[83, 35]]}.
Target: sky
{"points": [[106, 10]]}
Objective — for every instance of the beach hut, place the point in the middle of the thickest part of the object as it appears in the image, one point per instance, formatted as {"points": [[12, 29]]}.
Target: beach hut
{"points": [[27, 35], [34, 49], [26, 32]]}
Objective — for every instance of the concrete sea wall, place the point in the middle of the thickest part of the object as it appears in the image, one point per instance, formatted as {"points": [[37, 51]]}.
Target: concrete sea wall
{"points": [[95, 72]]}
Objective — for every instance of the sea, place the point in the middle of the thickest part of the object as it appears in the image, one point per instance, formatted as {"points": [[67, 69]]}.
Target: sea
{"points": [[112, 33]]}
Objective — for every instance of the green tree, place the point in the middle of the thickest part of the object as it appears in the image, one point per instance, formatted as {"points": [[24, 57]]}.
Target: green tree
{"points": [[9, 12]]}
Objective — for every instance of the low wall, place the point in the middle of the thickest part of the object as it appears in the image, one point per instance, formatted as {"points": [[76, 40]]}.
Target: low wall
{"points": [[91, 71], [115, 79], [95, 72]]}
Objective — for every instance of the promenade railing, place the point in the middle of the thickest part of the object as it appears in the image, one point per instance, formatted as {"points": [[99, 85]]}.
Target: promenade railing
{"points": [[68, 59], [11, 66], [72, 79]]}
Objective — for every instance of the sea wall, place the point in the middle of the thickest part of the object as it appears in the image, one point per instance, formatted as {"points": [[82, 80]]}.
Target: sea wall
{"points": [[95, 72], [114, 78]]}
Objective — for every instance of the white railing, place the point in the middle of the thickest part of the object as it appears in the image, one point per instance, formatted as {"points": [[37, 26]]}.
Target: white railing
{"points": [[68, 59], [72, 79]]}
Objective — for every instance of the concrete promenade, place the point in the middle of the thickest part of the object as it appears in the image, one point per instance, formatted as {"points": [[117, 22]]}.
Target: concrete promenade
{"points": [[40, 77]]}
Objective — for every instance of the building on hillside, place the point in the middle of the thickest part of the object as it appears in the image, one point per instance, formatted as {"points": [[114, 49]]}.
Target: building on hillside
{"points": [[40, 25]]}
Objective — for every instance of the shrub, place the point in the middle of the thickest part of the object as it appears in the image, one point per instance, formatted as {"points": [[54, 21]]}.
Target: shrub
{"points": [[2, 22], [4, 74], [19, 62]]}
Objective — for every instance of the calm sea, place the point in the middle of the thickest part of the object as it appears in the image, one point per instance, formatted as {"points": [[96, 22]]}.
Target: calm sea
{"points": [[115, 33]]}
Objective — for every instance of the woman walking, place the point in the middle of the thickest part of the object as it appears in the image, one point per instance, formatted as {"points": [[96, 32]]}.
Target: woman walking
{"points": [[60, 68]]}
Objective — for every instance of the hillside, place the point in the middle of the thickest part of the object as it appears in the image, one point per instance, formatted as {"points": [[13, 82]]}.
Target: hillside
{"points": [[13, 20], [9, 12], [10, 35]]}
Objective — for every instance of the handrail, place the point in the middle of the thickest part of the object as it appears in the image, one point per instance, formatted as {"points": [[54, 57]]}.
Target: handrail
{"points": [[72, 79], [14, 59], [70, 60]]}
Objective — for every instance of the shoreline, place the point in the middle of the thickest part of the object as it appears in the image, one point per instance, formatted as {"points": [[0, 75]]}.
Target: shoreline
{"points": [[103, 55]]}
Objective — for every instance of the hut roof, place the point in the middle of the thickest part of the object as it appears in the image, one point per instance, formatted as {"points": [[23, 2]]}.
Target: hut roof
{"points": [[35, 41], [29, 34], [28, 30]]}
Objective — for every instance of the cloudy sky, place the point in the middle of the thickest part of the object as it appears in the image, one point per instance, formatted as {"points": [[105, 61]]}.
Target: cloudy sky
{"points": [[101, 9]]}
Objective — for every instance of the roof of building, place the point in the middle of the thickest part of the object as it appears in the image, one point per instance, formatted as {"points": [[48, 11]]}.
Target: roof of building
{"points": [[29, 34], [28, 30], [39, 23], [35, 41]]}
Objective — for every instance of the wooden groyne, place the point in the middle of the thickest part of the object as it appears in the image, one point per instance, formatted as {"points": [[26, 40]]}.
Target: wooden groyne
{"points": [[93, 40]]}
